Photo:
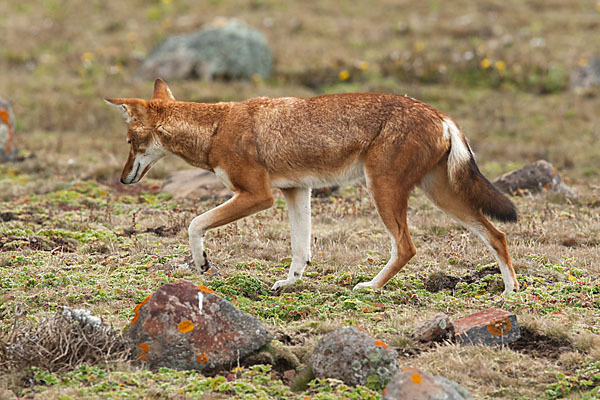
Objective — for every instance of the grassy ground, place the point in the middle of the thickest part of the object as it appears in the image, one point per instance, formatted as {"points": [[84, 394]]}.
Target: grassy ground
{"points": [[71, 235]]}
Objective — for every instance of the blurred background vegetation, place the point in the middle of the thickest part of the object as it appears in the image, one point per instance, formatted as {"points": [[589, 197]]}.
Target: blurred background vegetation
{"points": [[500, 68]]}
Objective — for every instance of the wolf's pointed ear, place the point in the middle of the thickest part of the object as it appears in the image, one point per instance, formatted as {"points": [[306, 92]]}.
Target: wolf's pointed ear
{"points": [[162, 91], [129, 108]]}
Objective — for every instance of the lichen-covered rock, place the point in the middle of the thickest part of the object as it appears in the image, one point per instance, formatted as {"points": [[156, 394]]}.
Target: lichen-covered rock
{"points": [[226, 48], [187, 326], [8, 150], [537, 176], [490, 327], [354, 358], [412, 384]]}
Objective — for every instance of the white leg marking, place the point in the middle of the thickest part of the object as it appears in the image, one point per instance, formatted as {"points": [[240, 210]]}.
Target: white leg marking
{"points": [[376, 282], [298, 201], [196, 231], [476, 229], [222, 175]]}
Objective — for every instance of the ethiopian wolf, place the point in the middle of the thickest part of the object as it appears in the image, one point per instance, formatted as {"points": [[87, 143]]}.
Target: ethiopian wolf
{"points": [[294, 144]]}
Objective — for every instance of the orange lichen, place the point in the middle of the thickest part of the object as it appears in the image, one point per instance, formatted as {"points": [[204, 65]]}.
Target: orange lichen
{"points": [[205, 289], [416, 378], [185, 326], [137, 309], [381, 344], [202, 358], [144, 349]]}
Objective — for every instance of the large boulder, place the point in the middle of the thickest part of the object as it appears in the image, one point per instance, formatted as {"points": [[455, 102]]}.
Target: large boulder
{"points": [[187, 326], [195, 183], [412, 384], [537, 176], [8, 149], [225, 49], [353, 357]]}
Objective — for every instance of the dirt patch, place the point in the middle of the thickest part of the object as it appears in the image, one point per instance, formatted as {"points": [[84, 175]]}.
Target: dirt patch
{"points": [[439, 281], [7, 216], [37, 243], [162, 231], [536, 344]]}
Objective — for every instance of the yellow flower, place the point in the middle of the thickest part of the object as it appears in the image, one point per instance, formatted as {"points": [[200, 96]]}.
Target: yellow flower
{"points": [[571, 278], [363, 65], [344, 75], [486, 63], [167, 1], [500, 65], [88, 56], [582, 62]]}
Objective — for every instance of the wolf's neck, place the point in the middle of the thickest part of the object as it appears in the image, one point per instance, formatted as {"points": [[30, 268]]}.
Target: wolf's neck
{"points": [[188, 128]]}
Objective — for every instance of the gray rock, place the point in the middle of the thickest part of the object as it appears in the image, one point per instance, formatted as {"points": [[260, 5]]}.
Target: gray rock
{"points": [[412, 384], [195, 183], [354, 358], [586, 76], [435, 329], [8, 149], [534, 177], [187, 326], [225, 49]]}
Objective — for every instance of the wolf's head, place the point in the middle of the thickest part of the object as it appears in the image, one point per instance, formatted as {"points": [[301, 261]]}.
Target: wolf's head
{"points": [[145, 148]]}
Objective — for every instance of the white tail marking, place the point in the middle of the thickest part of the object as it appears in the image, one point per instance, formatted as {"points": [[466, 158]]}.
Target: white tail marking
{"points": [[459, 153]]}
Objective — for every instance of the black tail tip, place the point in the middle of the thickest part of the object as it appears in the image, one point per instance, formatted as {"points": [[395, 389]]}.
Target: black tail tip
{"points": [[503, 212]]}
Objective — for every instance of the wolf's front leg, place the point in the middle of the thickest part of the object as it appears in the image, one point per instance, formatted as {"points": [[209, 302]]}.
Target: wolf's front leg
{"points": [[240, 205], [298, 201]]}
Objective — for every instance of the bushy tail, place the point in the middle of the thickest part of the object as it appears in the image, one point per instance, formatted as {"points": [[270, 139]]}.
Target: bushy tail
{"points": [[469, 182]]}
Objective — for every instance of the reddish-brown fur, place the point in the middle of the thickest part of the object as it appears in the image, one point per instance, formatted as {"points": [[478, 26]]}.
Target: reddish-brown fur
{"points": [[396, 142]]}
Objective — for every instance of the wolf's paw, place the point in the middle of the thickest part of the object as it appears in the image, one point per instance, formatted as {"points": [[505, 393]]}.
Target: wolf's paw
{"points": [[201, 264], [364, 285], [280, 284]]}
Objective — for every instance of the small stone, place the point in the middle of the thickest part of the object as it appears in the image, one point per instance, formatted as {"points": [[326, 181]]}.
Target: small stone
{"points": [[187, 326], [435, 329], [289, 375], [535, 177], [195, 184], [354, 358], [413, 384], [586, 76], [491, 327]]}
